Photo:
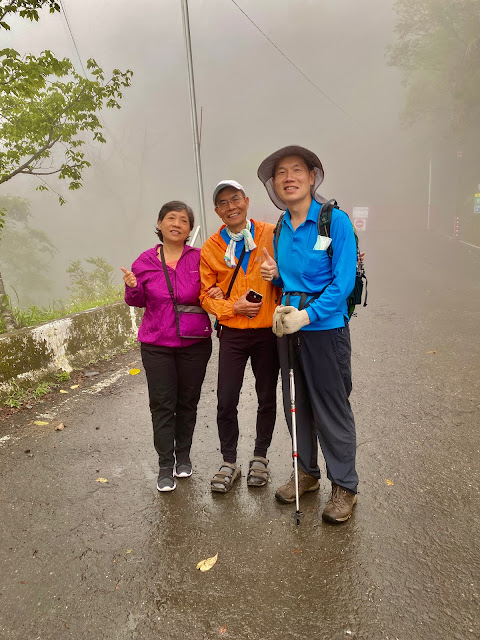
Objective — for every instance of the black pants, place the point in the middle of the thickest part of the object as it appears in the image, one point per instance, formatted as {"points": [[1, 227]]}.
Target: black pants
{"points": [[236, 346], [323, 382], [174, 376]]}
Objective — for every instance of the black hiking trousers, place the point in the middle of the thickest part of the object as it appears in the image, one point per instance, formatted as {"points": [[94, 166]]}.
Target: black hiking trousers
{"points": [[323, 382], [174, 376], [236, 347]]}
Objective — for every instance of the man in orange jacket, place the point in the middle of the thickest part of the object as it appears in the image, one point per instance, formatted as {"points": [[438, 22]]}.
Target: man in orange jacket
{"points": [[245, 327]]}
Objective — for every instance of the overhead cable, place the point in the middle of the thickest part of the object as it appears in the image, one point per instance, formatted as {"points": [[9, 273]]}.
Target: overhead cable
{"points": [[294, 65], [101, 118], [73, 39]]}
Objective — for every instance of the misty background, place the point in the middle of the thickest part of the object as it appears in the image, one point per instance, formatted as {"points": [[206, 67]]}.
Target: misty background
{"points": [[251, 100]]}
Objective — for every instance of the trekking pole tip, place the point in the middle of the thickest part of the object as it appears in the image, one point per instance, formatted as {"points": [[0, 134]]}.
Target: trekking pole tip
{"points": [[298, 515]]}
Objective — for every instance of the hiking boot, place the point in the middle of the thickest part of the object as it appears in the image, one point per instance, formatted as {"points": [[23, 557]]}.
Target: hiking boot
{"points": [[306, 482], [183, 470], [340, 506], [166, 481]]}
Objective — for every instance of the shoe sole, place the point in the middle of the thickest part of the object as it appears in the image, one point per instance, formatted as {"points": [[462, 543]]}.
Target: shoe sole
{"points": [[284, 500], [252, 484], [167, 489], [184, 474], [330, 520]]}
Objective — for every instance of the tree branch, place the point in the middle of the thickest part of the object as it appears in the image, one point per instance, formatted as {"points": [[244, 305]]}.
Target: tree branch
{"points": [[48, 145]]}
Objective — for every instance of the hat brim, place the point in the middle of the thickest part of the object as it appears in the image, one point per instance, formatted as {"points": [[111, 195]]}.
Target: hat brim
{"points": [[267, 168]]}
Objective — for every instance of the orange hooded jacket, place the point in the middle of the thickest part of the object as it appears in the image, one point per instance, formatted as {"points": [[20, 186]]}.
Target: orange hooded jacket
{"points": [[214, 271]]}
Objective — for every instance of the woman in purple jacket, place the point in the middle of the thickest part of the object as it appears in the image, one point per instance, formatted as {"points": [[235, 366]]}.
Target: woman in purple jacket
{"points": [[175, 366]]}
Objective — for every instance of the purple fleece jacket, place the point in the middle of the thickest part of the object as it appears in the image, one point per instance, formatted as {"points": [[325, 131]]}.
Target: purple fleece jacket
{"points": [[158, 324]]}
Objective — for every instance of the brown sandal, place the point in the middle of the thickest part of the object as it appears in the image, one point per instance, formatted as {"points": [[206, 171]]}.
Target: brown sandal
{"points": [[258, 472], [223, 480]]}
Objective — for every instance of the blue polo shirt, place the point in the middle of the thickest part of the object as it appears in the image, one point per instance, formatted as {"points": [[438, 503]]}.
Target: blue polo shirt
{"points": [[303, 268], [239, 246]]}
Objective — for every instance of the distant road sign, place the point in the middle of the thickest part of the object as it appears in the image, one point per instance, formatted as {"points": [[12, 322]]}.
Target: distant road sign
{"points": [[360, 212], [360, 224]]}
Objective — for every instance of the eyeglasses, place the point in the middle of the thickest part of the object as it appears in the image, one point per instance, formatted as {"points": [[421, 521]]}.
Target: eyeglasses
{"points": [[223, 204]]}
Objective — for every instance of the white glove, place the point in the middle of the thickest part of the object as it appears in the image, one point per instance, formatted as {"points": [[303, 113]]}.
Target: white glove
{"points": [[293, 319], [278, 314]]}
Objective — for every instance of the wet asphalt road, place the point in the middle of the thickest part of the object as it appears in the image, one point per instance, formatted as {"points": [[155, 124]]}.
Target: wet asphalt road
{"points": [[88, 560]]}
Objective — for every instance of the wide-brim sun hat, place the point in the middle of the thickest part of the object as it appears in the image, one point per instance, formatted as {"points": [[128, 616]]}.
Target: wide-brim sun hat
{"points": [[266, 170]]}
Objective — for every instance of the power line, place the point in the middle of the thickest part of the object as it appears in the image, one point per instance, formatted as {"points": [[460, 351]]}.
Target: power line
{"points": [[294, 65], [73, 39], [85, 74]]}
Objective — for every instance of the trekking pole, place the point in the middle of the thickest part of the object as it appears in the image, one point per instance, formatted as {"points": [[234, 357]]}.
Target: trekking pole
{"points": [[298, 514]]}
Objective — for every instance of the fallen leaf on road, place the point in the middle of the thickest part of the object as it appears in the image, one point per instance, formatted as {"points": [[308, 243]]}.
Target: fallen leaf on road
{"points": [[60, 427], [206, 565], [133, 372], [128, 551], [40, 423], [297, 552], [103, 480], [389, 482], [222, 630], [74, 386], [63, 391], [431, 352]]}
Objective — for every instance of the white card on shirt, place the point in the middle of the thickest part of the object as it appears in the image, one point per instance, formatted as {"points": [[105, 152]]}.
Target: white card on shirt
{"points": [[322, 243]]}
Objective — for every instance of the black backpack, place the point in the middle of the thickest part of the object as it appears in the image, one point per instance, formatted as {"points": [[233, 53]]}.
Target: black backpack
{"points": [[323, 227]]}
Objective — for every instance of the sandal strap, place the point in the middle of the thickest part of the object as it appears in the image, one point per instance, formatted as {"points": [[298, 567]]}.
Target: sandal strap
{"points": [[222, 474], [224, 477], [257, 471]]}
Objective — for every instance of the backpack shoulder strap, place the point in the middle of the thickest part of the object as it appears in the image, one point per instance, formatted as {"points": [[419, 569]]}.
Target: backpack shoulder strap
{"points": [[276, 233], [325, 217], [324, 221]]}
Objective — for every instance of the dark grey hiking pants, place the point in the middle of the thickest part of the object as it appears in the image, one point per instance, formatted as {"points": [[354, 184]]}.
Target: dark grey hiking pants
{"points": [[323, 382]]}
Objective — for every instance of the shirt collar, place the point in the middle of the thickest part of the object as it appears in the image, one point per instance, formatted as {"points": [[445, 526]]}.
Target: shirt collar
{"points": [[312, 214]]}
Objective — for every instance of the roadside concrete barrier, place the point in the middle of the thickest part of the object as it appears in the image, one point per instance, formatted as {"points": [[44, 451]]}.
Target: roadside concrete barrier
{"points": [[30, 355]]}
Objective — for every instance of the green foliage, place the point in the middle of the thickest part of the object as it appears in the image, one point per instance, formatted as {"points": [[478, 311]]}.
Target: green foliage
{"points": [[25, 251], [40, 390], [93, 284], [16, 397], [62, 376], [45, 104], [25, 9], [19, 396], [438, 48], [30, 316]]}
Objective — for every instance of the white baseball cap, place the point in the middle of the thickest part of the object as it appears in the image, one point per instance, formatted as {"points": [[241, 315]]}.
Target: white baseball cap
{"points": [[226, 183]]}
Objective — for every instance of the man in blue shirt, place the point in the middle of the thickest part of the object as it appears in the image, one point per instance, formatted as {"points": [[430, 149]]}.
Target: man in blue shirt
{"points": [[314, 316]]}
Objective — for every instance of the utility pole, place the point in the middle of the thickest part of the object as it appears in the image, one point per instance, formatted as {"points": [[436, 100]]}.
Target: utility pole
{"points": [[193, 108], [429, 192]]}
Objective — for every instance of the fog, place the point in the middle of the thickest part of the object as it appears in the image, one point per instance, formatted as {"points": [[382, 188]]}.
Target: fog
{"points": [[252, 101]]}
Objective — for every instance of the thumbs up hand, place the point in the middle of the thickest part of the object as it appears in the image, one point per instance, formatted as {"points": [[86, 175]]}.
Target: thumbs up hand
{"points": [[129, 278], [268, 268]]}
